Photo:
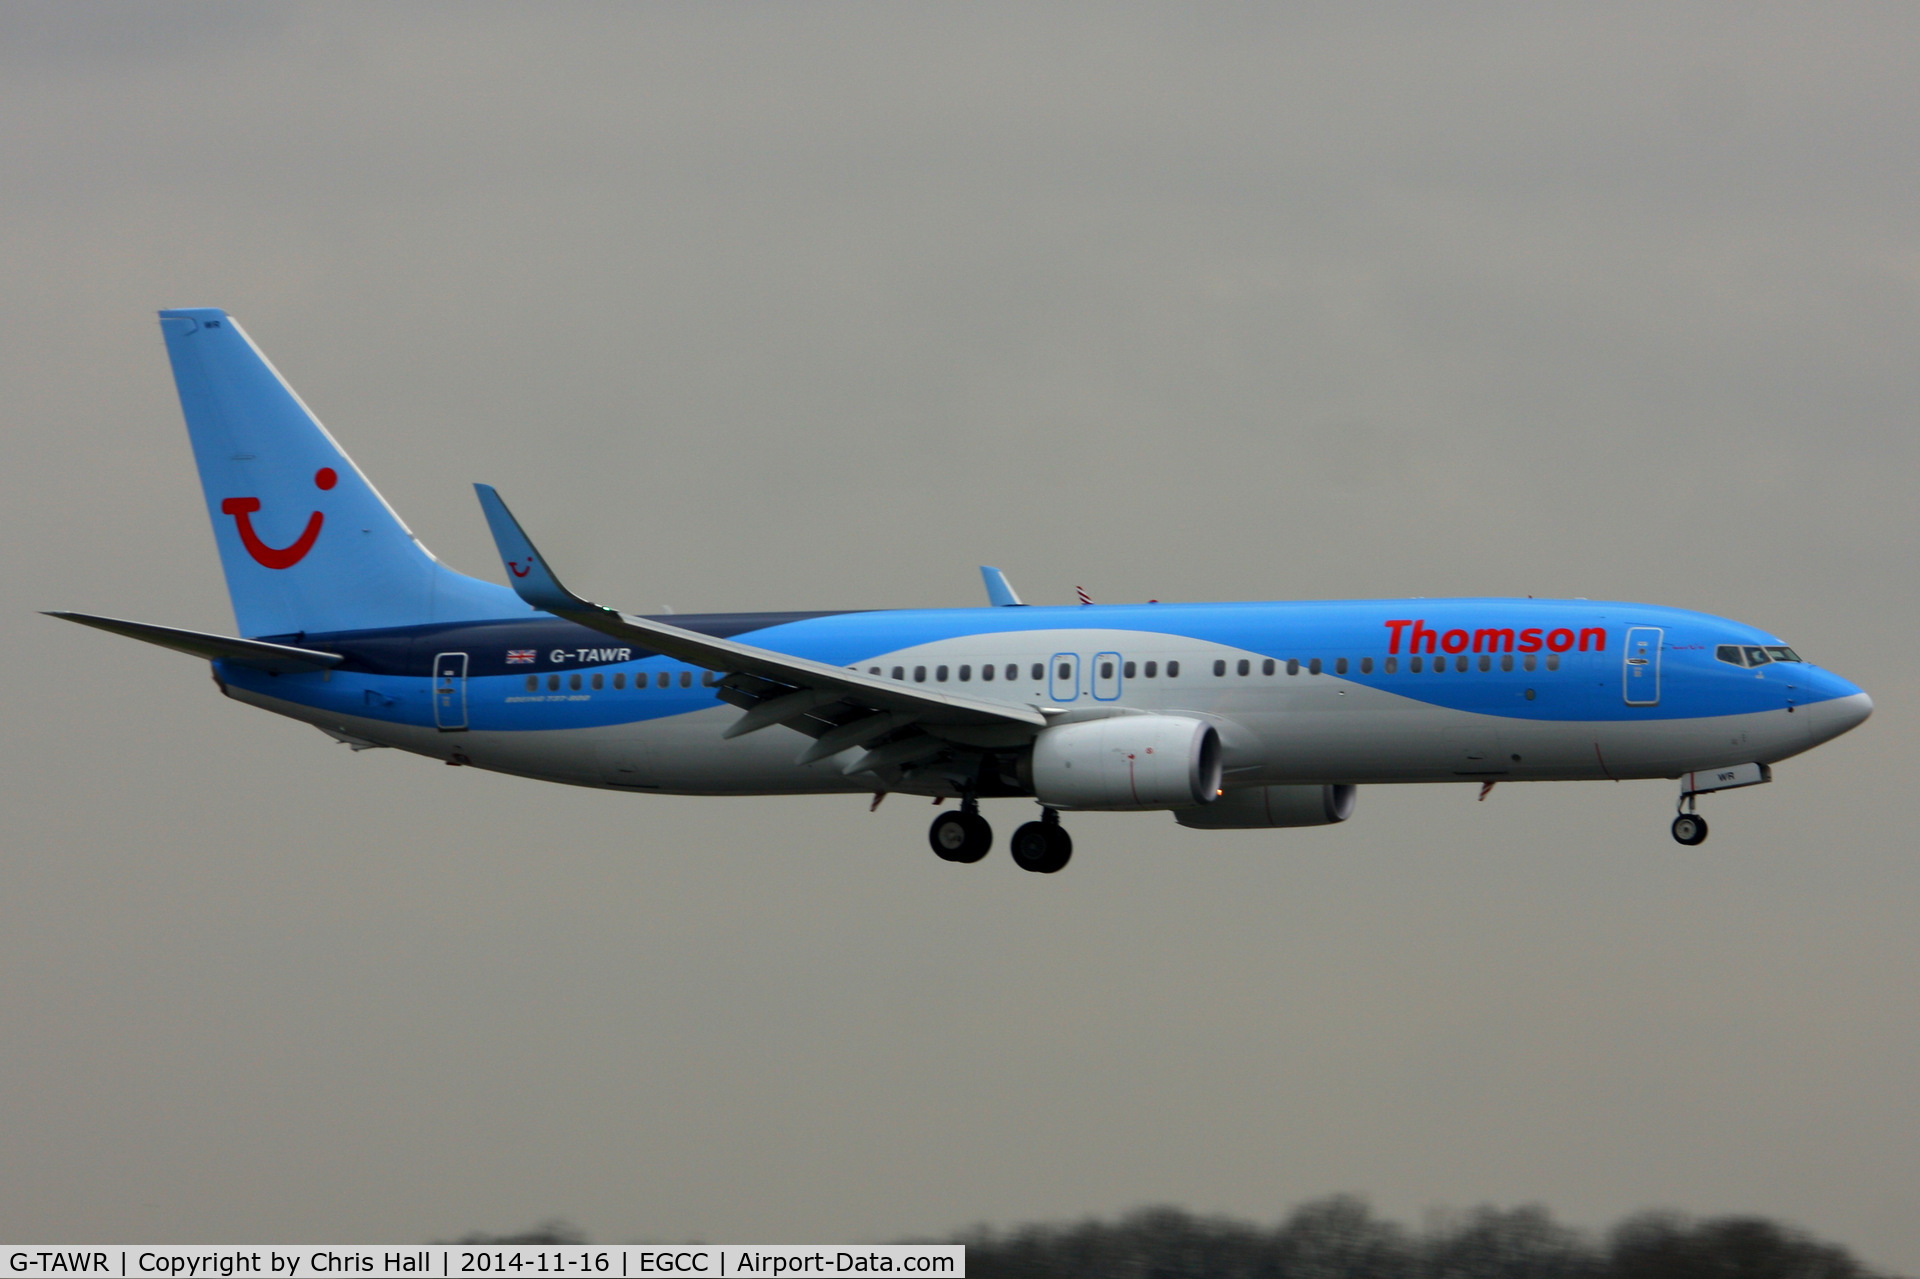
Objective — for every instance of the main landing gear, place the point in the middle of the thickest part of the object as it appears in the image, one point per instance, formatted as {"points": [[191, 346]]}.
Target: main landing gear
{"points": [[1043, 847], [963, 836]]}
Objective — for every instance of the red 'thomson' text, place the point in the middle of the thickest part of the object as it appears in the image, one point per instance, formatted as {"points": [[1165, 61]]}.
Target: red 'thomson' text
{"points": [[1493, 639]]}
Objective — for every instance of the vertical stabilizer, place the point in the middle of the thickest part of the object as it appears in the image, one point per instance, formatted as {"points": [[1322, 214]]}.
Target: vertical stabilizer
{"points": [[307, 544]]}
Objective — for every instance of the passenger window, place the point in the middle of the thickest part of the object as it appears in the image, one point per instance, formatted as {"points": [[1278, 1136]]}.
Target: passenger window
{"points": [[966, 674], [1173, 670], [553, 683], [1531, 661], [599, 681], [1486, 663], [1414, 665], [1506, 661], [663, 679], [533, 683], [1460, 663], [1219, 667], [1313, 667], [573, 680], [1393, 665], [1245, 667], [708, 679], [1340, 667], [1039, 670], [1293, 666], [1106, 670], [1065, 671], [1730, 653], [1153, 669], [919, 674], [1366, 666], [686, 679], [1126, 671], [1553, 661], [986, 672], [1757, 657], [899, 672], [1782, 654], [620, 679], [1267, 667], [873, 670], [940, 674]]}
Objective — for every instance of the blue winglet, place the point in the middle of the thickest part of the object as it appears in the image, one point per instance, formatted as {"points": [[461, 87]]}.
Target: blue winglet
{"points": [[999, 592], [527, 572]]}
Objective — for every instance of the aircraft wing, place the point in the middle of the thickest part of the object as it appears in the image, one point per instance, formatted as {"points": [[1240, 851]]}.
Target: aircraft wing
{"points": [[838, 706], [276, 659]]}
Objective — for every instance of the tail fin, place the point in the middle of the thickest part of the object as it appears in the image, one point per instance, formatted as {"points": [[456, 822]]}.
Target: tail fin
{"points": [[307, 543]]}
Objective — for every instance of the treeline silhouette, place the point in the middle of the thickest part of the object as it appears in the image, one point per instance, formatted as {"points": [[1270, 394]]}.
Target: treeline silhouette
{"points": [[1340, 1238]]}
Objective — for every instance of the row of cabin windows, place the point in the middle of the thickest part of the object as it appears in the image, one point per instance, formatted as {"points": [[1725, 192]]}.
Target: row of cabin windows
{"points": [[1415, 664], [1755, 654], [1244, 666], [599, 680], [1012, 672]]}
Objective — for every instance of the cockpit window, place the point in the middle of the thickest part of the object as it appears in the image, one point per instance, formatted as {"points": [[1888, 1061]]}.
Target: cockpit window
{"points": [[1756, 654]]}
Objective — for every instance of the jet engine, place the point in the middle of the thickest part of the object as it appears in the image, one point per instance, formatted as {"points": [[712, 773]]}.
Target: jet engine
{"points": [[1127, 762], [1260, 807]]}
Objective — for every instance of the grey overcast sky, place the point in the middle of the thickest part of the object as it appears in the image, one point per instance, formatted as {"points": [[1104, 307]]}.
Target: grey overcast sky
{"points": [[753, 307]]}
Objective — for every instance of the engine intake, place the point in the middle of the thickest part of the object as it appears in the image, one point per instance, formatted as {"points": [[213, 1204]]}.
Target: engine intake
{"points": [[1262, 807], [1127, 762]]}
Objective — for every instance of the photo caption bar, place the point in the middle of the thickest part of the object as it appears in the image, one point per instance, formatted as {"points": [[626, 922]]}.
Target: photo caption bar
{"points": [[513, 1261]]}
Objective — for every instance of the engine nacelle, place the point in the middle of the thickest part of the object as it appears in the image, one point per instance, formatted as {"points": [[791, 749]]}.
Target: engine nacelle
{"points": [[1261, 807], [1127, 762]]}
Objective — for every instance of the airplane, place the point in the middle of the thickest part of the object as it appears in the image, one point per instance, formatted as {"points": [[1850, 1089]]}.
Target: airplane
{"points": [[1230, 716]]}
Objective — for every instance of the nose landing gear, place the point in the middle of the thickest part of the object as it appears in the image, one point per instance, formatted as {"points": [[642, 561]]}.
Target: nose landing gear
{"points": [[1690, 829]]}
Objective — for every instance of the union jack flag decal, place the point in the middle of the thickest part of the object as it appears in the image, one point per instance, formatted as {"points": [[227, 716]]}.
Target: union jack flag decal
{"points": [[520, 657]]}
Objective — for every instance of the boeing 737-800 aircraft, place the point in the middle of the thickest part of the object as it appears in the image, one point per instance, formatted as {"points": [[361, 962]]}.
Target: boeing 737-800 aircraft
{"points": [[1230, 716]]}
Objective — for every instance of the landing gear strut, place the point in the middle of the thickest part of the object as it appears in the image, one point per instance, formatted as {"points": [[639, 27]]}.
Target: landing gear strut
{"points": [[1043, 847], [963, 836], [1690, 828]]}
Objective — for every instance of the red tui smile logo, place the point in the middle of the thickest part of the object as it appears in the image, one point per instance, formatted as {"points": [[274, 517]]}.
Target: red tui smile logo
{"points": [[517, 570], [242, 509]]}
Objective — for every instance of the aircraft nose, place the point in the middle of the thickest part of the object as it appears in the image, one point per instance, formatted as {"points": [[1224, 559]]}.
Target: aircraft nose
{"points": [[1844, 707]]}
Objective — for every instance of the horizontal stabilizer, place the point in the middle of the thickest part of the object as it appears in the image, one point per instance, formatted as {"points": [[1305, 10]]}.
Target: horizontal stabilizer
{"points": [[276, 659]]}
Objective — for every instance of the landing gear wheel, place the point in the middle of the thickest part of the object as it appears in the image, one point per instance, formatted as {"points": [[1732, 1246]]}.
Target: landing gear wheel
{"points": [[960, 837], [1690, 829], [1042, 847]]}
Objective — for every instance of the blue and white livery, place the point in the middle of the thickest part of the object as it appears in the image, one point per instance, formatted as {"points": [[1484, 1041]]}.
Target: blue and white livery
{"points": [[1230, 716]]}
